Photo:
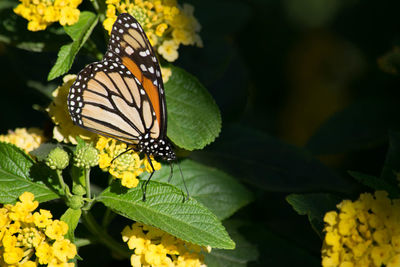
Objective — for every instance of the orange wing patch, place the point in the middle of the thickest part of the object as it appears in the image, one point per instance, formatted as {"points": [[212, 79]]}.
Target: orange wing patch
{"points": [[148, 86]]}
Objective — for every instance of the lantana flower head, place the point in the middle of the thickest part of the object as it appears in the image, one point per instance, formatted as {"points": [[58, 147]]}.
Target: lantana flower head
{"points": [[167, 24], [365, 232], [27, 139], [123, 164], [29, 238], [154, 247], [42, 13]]}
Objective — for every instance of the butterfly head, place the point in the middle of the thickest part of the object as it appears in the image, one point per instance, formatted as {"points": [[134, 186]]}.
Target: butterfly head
{"points": [[159, 148]]}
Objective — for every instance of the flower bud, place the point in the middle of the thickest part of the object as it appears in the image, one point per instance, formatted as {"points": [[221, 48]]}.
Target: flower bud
{"points": [[57, 159], [78, 189], [86, 156], [75, 202]]}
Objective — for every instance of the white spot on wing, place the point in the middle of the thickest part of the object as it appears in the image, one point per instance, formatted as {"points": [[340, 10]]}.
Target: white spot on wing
{"points": [[129, 50], [143, 67]]}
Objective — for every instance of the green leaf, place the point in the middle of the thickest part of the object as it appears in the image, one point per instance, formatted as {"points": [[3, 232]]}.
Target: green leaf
{"points": [[71, 217], [79, 33], [392, 161], [194, 120], [5, 4], [43, 150], [268, 163], [216, 190], [314, 206], [376, 183], [362, 125], [243, 253], [15, 176], [166, 209]]}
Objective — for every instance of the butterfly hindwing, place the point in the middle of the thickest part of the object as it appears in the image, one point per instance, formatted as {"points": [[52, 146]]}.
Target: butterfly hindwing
{"points": [[107, 99], [129, 45]]}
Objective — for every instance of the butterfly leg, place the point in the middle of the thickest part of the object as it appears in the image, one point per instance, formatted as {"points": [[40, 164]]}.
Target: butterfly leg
{"points": [[172, 172], [144, 185], [127, 150]]}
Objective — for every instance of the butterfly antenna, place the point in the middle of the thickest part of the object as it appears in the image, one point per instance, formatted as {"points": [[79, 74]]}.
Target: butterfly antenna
{"points": [[128, 149], [144, 185], [184, 183]]}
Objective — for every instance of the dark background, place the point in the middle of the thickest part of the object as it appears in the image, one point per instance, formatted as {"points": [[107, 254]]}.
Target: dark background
{"points": [[296, 82]]}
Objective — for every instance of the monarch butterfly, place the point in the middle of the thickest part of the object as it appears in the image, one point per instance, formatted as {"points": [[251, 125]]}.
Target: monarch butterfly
{"points": [[122, 96]]}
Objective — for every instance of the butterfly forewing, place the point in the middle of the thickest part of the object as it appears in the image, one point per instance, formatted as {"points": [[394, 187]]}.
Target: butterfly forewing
{"points": [[107, 99], [130, 46]]}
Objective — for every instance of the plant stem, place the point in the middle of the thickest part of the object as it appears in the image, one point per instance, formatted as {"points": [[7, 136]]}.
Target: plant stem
{"points": [[81, 242], [103, 237], [87, 183], [64, 187]]}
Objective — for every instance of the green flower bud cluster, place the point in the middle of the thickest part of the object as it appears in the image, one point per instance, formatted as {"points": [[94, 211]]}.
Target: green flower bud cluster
{"points": [[86, 156], [57, 159], [75, 202]]}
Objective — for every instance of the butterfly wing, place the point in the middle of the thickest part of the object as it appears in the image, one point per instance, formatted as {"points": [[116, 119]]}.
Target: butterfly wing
{"points": [[107, 99], [130, 46]]}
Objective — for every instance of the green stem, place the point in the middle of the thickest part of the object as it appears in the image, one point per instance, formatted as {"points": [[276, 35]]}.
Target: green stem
{"points": [[81, 242], [64, 187], [87, 183], [108, 216], [100, 9], [103, 237]]}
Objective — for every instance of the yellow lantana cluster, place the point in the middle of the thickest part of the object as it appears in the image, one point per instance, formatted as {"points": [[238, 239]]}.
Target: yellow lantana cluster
{"points": [[365, 232], [30, 239], [166, 24], [153, 247], [42, 13], [65, 130], [27, 139], [126, 166]]}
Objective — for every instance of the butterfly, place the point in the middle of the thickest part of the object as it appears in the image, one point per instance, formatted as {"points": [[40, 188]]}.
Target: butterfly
{"points": [[122, 96]]}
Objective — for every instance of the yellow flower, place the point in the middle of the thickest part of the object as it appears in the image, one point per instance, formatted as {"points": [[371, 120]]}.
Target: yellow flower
{"points": [[153, 247], [24, 235], [163, 21], [13, 255], [42, 13], [169, 50], [42, 219], [120, 163], [44, 252], [27, 139], [161, 29], [166, 73], [64, 250], [28, 264], [365, 232], [69, 16], [57, 230], [65, 130]]}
